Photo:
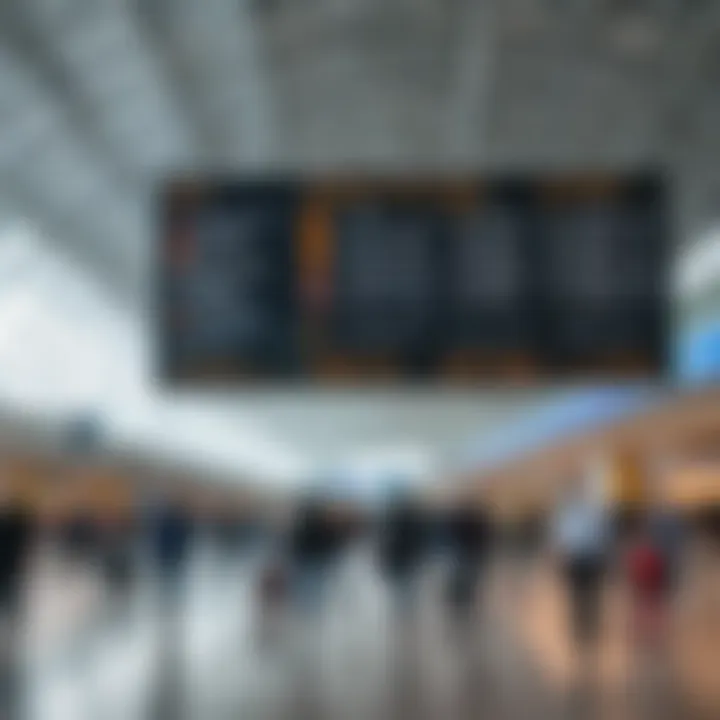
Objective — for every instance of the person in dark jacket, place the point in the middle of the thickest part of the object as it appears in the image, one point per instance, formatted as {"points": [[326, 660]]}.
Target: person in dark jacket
{"points": [[402, 549], [17, 534], [171, 533], [469, 536], [16, 539], [312, 549]]}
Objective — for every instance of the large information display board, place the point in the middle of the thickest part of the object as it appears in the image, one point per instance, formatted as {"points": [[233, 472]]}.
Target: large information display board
{"points": [[355, 279]]}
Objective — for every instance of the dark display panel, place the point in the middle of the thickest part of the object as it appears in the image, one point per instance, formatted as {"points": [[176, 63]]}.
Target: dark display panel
{"points": [[489, 273], [327, 280], [387, 281], [229, 300], [602, 286]]}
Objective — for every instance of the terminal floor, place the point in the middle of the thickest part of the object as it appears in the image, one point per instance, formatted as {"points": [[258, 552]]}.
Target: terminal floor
{"points": [[354, 661]]}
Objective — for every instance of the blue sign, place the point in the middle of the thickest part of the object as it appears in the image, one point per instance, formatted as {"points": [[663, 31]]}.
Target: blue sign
{"points": [[571, 413], [698, 354]]}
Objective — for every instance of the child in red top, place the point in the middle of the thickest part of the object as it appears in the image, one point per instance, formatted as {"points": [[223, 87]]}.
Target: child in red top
{"points": [[648, 579]]}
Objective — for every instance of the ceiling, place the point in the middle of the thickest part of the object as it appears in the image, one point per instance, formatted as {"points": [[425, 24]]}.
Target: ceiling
{"points": [[102, 99]]}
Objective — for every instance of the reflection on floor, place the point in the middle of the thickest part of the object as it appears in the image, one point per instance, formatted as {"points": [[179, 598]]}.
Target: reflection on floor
{"points": [[353, 661]]}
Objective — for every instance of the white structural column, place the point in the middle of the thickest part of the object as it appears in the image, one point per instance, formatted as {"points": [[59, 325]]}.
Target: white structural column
{"points": [[108, 82], [48, 174]]}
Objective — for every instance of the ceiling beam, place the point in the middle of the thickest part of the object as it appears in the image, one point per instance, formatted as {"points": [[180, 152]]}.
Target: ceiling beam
{"points": [[472, 81], [55, 175], [99, 65], [214, 51]]}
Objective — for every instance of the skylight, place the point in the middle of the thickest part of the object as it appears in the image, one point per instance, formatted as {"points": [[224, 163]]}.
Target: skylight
{"points": [[65, 349]]}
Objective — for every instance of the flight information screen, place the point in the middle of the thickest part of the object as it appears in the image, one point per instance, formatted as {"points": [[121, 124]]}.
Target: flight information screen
{"points": [[356, 279], [228, 301]]}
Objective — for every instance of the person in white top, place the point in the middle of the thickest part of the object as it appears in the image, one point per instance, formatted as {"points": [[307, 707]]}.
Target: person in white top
{"points": [[581, 537], [580, 526]]}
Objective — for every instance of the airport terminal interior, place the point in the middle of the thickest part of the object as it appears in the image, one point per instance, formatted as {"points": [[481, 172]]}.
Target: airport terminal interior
{"points": [[265, 551]]}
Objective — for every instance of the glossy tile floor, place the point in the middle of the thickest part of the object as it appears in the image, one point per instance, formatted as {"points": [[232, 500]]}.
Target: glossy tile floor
{"points": [[355, 660]]}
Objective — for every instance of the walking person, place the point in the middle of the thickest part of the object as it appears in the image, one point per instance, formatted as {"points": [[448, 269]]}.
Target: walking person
{"points": [[469, 535], [402, 551], [17, 535], [581, 535]]}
